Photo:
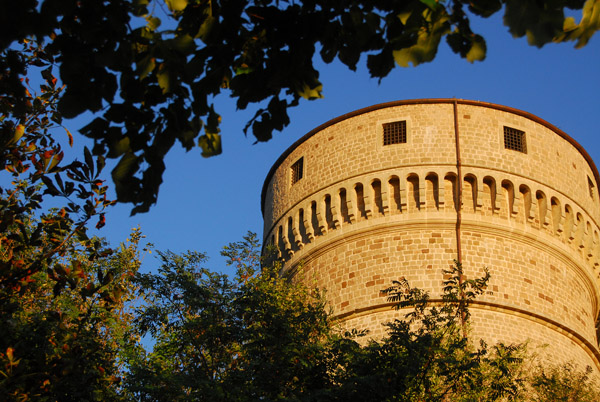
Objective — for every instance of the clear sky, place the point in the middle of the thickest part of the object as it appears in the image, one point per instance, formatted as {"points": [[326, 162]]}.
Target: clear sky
{"points": [[206, 203]]}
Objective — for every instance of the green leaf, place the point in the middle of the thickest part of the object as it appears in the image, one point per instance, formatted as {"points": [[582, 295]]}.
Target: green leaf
{"points": [[89, 161], [212, 121], [187, 138], [569, 24], [145, 66], [182, 43], [403, 17], [432, 4], [96, 129], [152, 23], [119, 147], [176, 5], [206, 28], [588, 26], [477, 51], [122, 175], [164, 79], [210, 144], [140, 7], [540, 23], [311, 93], [427, 43], [50, 187], [55, 161], [485, 8], [243, 69], [100, 163], [19, 131]]}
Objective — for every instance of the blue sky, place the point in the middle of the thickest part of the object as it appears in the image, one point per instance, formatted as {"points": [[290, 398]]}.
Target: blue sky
{"points": [[206, 203]]}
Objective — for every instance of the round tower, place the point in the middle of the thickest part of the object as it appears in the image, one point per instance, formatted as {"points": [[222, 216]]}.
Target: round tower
{"points": [[403, 189]]}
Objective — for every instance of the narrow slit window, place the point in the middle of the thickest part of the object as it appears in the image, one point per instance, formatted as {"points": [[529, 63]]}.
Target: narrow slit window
{"points": [[394, 133], [514, 139], [297, 170], [591, 187]]}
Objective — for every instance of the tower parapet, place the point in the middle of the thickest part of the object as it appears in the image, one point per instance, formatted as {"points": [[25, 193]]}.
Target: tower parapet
{"points": [[403, 189]]}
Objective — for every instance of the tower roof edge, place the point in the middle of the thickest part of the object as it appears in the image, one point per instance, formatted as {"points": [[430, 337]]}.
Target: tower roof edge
{"points": [[384, 105]]}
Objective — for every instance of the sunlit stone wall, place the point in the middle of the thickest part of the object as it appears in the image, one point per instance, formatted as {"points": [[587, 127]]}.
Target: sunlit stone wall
{"points": [[350, 214]]}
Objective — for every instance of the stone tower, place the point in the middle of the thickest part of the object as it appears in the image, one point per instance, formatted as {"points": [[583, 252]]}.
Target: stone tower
{"points": [[404, 188]]}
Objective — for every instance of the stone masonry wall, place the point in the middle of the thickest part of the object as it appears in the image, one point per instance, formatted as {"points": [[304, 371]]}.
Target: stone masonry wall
{"points": [[364, 214]]}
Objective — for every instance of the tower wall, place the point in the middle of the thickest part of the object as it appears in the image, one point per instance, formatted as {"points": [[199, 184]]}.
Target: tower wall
{"points": [[362, 214]]}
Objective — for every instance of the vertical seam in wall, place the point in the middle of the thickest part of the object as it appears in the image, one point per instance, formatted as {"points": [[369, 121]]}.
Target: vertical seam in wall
{"points": [[463, 318], [458, 184]]}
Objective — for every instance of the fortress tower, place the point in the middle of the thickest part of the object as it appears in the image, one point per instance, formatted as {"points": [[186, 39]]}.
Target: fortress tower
{"points": [[402, 189]]}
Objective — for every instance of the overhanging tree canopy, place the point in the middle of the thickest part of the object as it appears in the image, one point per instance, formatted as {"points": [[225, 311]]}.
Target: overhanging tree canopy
{"points": [[153, 84]]}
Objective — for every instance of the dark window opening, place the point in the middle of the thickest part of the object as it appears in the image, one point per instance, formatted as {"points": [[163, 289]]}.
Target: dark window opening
{"points": [[394, 133], [297, 170], [591, 187], [514, 139]]}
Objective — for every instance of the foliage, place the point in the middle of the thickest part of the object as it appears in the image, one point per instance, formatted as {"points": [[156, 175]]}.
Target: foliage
{"points": [[68, 332], [261, 337], [426, 356], [152, 69], [564, 383], [32, 241], [458, 292], [62, 293], [64, 346], [256, 336]]}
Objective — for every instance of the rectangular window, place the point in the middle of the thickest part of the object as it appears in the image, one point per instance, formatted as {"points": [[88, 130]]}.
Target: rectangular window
{"points": [[514, 139], [394, 133], [297, 170], [591, 187]]}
